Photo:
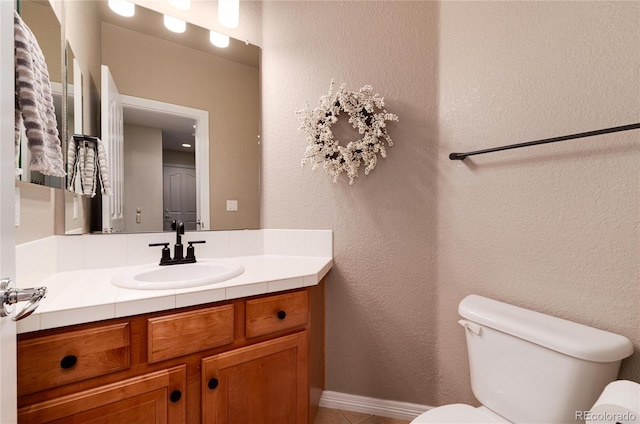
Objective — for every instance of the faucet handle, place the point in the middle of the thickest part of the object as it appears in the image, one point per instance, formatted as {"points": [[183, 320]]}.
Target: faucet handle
{"points": [[166, 252], [191, 252]]}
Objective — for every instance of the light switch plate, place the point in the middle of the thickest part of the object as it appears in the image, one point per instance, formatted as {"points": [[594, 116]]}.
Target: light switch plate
{"points": [[232, 205]]}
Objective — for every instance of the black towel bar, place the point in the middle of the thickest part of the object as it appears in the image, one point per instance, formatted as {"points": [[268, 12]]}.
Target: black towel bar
{"points": [[461, 156]]}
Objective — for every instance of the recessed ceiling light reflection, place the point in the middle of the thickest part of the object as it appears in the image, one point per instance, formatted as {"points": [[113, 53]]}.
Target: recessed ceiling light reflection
{"points": [[123, 7], [174, 24], [229, 13], [219, 40]]}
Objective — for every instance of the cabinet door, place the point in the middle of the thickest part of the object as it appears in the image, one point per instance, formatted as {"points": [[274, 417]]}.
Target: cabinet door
{"points": [[264, 383], [155, 398]]}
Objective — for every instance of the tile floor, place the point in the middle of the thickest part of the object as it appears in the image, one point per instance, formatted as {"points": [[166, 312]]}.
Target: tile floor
{"points": [[335, 416]]}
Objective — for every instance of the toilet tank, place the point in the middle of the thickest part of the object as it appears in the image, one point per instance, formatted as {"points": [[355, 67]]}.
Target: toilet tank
{"points": [[531, 367]]}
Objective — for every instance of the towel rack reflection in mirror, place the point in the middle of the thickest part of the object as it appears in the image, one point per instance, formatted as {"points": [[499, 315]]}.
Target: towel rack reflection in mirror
{"points": [[82, 137]]}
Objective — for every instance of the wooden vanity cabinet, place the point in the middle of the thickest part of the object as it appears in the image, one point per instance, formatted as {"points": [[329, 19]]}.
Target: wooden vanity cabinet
{"points": [[254, 360]]}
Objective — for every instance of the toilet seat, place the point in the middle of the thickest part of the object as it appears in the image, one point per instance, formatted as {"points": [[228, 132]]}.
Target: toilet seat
{"points": [[459, 413]]}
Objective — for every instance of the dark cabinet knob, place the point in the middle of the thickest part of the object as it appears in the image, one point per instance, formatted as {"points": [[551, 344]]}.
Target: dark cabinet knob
{"points": [[175, 396], [68, 361], [282, 314], [213, 383]]}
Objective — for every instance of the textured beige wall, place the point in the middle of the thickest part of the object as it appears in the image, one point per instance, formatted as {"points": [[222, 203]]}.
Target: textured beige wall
{"points": [[160, 70], [143, 176], [381, 293], [552, 228]]}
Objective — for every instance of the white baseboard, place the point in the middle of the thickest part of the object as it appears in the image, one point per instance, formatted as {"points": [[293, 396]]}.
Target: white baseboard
{"points": [[367, 405]]}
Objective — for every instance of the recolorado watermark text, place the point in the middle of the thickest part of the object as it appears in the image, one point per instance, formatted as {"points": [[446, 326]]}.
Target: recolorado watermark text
{"points": [[609, 417]]}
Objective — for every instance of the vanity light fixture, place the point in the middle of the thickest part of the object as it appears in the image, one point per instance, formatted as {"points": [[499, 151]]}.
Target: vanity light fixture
{"points": [[123, 7], [219, 40], [229, 13], [181, 4], [186, 145], [174, 24]]}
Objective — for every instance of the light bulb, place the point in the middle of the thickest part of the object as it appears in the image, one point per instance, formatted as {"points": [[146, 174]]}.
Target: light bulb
{"points": [[123, 7], [229, 13], [218, 40], [181, 4], [174, 24]]}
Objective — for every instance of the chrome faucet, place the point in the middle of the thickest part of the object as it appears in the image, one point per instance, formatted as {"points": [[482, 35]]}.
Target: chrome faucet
{"points": [[178, 250]]}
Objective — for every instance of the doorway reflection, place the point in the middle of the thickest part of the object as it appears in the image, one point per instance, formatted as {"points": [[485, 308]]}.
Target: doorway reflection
{"points": [[159, 171]]}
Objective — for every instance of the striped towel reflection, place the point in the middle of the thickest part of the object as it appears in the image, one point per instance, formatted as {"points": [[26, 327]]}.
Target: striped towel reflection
{"points": [[34, 104], [84, 173]]}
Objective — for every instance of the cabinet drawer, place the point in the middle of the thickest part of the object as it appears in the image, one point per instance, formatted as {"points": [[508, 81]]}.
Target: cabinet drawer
{"points": [[52, 361], [189, 332], [276, 313]]}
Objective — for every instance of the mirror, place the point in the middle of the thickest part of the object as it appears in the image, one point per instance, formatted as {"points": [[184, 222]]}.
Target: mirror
{"points": [[74, 208], [149, 62], [43, 22], [66, 210]]}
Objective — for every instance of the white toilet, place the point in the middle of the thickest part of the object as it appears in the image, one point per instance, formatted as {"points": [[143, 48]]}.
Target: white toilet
{"points": [[528, 367]]}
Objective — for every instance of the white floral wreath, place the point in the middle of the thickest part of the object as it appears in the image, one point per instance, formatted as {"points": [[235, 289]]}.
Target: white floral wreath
{"points": [[366, 114]]}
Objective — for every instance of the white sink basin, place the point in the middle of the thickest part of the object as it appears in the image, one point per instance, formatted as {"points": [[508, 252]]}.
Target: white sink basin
{"points": [[156, 277]]}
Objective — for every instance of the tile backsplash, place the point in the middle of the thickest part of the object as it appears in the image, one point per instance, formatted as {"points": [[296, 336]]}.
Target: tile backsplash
{"points": [[36, 260]]}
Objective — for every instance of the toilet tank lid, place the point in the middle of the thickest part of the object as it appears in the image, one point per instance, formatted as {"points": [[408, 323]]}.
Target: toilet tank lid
{"points": [[560, 335]]}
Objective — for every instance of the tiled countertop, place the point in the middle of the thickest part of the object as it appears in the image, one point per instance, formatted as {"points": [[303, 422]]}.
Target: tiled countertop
{"points": [[87, 295]]}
